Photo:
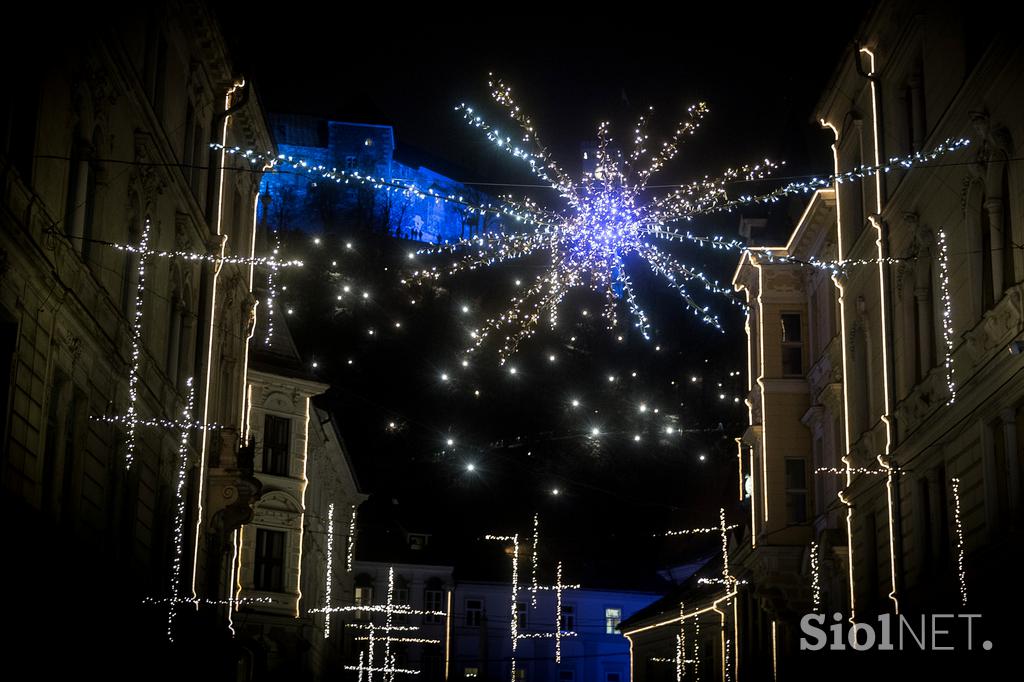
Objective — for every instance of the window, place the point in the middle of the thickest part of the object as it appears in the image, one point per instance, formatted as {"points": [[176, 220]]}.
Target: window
{"points": [[520, 674], [268, 569], [474, 612], [350, 162], [363, 597], [471, 673], [521, 615], [418, 540], [568, 618], [612, 618], [433, 600], [276, 436], [796, 490], [401, 598], [792, 345]]}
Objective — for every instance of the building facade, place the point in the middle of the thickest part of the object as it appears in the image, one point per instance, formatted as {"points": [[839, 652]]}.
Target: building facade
{"points": [[108, 142], [884, 445]]}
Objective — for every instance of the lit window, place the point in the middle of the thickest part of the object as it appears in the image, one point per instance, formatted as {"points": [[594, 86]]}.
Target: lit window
{"points": [[612, 618], [364, 597]]}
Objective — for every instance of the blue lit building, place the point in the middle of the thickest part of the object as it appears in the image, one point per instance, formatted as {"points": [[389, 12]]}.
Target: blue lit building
{"points": [[481, 646], [296, 201]]}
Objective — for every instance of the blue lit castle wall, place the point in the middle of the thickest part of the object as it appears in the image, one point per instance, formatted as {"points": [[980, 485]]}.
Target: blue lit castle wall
{"points": [[295, 201]]}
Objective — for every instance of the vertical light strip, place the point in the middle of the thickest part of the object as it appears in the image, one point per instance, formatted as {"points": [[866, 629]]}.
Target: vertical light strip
{"points": [[775, 652], [846, 376], [815, 578], [739, 465], [232, 577], [947, 315], [448, 635], [209, 346], [760, 382], [238, 568], [736, 635], [533, 561], [350, 551], [630, 640], [876, 221], [330, 571], [133, 372], [179, 510], [302, 515], [961, 571], [558, 614]]}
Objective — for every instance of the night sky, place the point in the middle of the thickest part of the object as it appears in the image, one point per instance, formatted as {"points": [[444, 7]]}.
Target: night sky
{"points": [[761, 72]]}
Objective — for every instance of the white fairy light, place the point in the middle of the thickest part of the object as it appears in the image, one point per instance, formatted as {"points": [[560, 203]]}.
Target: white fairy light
{"points": [[133, 372], [329, 582], [350, 551], [179, 510], [947, 316], [815, 578], [961, 571]]}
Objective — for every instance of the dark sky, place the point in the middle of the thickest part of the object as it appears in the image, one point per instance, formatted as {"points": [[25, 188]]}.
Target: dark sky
{"points": [[761, 71]]}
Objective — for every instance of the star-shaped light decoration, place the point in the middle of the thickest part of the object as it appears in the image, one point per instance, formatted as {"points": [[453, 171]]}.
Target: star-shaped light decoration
{"points": [[609, 215]]}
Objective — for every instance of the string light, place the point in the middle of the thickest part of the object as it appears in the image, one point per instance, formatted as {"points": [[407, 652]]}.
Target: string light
{"points": [[329, 582], [947, 316], [179, 510], [961, 571], [350, 552], [133, 371], [157, 422], [815, 578]]}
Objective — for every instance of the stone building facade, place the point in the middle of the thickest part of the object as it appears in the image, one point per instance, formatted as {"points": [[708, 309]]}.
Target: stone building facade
{"points": [[108, 130], [851, 369]]}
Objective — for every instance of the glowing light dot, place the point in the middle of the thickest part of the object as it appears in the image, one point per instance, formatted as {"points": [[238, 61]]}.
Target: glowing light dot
{"points": [[476, 393], [669, 430], [637, 438], [511, 370], [465, 363], [450, 441], [348, 245], [370, 332], [444, 377], [334, 263], [470, 467], [398, 325], [316, 240], [339, 297], [391, 425], [551, 358], [366, 294], [411, 256], [643, 407], [575, 403], [595, 431], [291, 311], [346, 288], [556, 491], [702, 457], [315, 365], [693, 380], [465, 308], [350, 361], [721, 396], [611, 377], [519, 282]]}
